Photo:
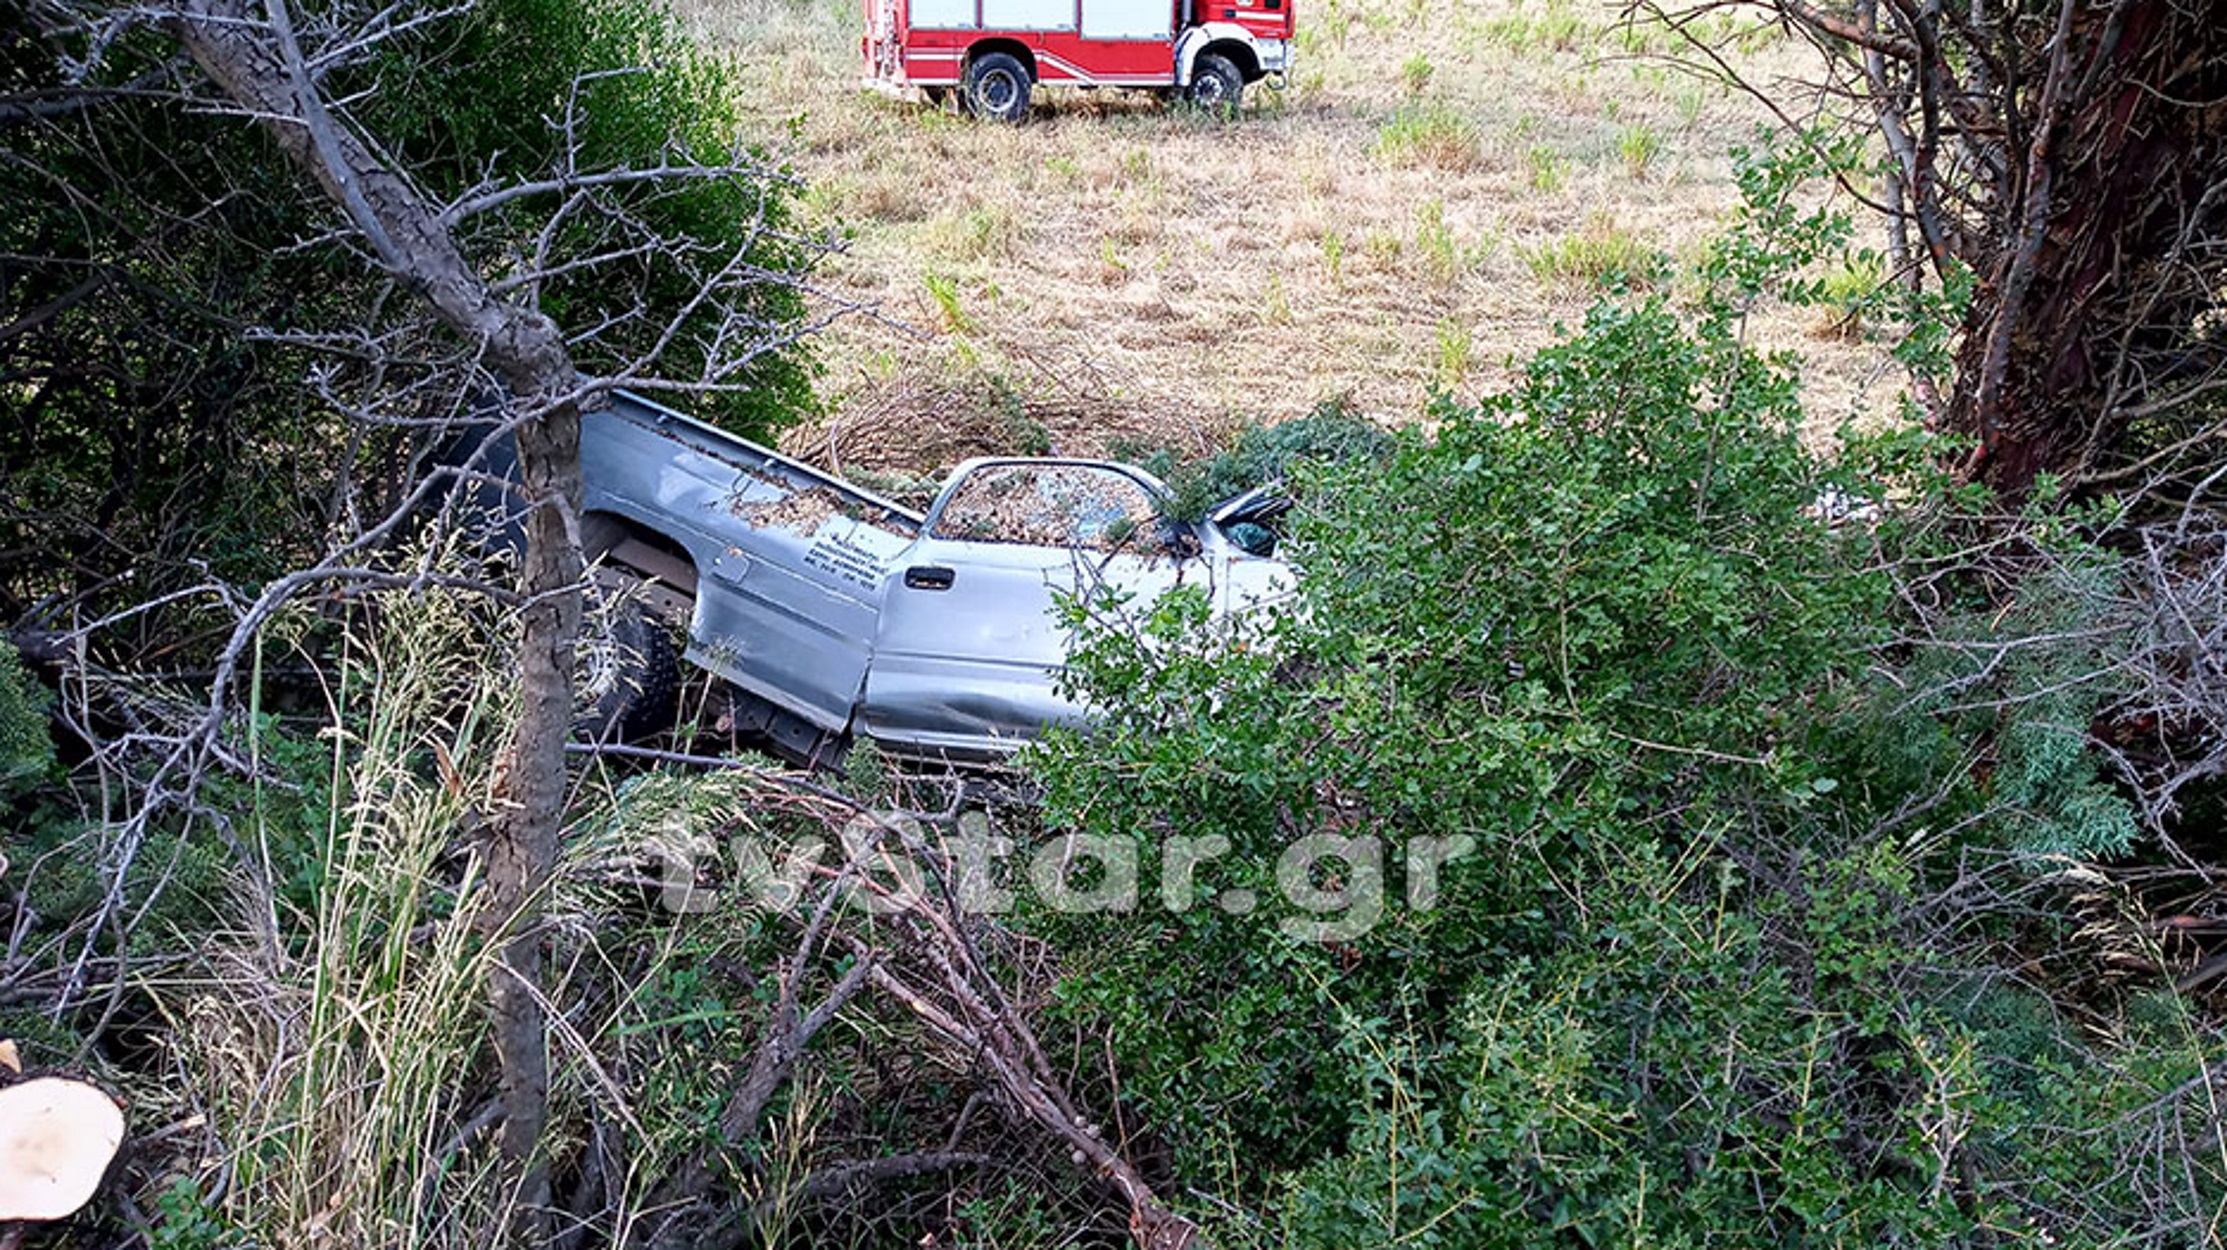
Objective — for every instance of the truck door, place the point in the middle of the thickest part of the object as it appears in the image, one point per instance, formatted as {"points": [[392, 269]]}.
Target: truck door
{"points": [[788, 562], [970, 642]]}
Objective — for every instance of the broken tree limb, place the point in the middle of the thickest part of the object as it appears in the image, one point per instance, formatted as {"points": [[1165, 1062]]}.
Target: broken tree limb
{"points": [[977, 1018]]}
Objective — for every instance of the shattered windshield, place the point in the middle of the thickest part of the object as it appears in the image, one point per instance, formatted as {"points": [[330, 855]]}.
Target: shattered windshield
{"points": [[1064, 505]]}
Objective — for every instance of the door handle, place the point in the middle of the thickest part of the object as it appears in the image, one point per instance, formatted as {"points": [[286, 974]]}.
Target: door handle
{"points": [[928, 577]]}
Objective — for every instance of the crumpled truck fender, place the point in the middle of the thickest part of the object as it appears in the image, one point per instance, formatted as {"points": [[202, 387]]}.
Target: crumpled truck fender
{"points": [[788, 560]]}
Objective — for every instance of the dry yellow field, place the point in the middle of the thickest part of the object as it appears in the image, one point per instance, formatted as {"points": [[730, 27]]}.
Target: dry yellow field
{"points": [[1417, 210]]}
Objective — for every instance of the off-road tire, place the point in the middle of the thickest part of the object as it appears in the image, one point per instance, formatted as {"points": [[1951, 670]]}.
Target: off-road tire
{"points": [[1216, 85], [629, 673], [997, 88]]}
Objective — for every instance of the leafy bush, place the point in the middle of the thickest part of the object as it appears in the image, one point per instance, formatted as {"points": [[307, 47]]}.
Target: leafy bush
{"points": [[151, 433], [2023, 682], [1557, 875], [1260, 454], [145, 430], [481, 100], [1560, 629]]}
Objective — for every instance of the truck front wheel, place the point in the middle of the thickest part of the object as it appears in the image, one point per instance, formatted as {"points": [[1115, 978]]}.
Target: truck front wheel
{"points": [[1216, 86], [997, 87]]}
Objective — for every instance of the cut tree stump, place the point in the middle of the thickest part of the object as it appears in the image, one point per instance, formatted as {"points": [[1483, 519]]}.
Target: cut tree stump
{"points": [[57, 1138]]}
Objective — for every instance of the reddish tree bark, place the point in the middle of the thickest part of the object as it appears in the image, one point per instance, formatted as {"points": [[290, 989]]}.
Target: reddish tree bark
{"points": [[2080, 283], [2073, 157]]}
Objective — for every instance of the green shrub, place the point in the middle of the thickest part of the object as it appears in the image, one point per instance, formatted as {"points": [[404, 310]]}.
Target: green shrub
{"points": [[156, 435], [1260, 454], [1718, 964], [187, 1222], [1584, 602], [475, 98], [2021, 682]]}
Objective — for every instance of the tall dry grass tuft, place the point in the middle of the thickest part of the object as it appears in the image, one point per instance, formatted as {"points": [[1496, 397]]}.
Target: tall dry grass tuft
{"points": [[339, 1030], [1432, 137], [336, 1036]]}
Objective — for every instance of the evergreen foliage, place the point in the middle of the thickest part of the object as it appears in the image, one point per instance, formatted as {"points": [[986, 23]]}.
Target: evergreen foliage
{"points": [[26, 751], [1260, 454], [486, 98]]}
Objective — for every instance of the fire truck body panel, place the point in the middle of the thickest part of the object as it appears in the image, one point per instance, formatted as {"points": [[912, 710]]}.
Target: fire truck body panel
{"points": [[1115, 43]]}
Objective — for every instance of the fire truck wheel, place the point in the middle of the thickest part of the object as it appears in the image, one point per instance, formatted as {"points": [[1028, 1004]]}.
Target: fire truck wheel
{"points": [[1215, 85], [997, 88]]}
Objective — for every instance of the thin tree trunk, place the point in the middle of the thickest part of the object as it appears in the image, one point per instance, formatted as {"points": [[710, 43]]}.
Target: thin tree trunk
{"points": [[250, 53], [522, 851]]}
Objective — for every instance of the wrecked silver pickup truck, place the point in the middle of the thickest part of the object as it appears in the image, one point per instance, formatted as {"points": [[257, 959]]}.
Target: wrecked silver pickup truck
{"points": [[836, 613]]}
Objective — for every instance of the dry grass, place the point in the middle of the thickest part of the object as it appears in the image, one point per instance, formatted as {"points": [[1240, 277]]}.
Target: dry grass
{"points": [[1144, 274]]}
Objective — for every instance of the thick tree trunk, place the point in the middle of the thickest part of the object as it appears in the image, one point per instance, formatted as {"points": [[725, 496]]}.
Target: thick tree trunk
{"points": [[523, 849], [250, 53], [2113, 174], [2072, 155]]}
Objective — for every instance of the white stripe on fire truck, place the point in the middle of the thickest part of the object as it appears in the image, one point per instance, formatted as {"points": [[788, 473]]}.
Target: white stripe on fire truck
{"points": [[1077, 73]]}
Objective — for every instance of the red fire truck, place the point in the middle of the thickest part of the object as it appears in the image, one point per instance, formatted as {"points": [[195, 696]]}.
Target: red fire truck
{"points": [[995, 52]]}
